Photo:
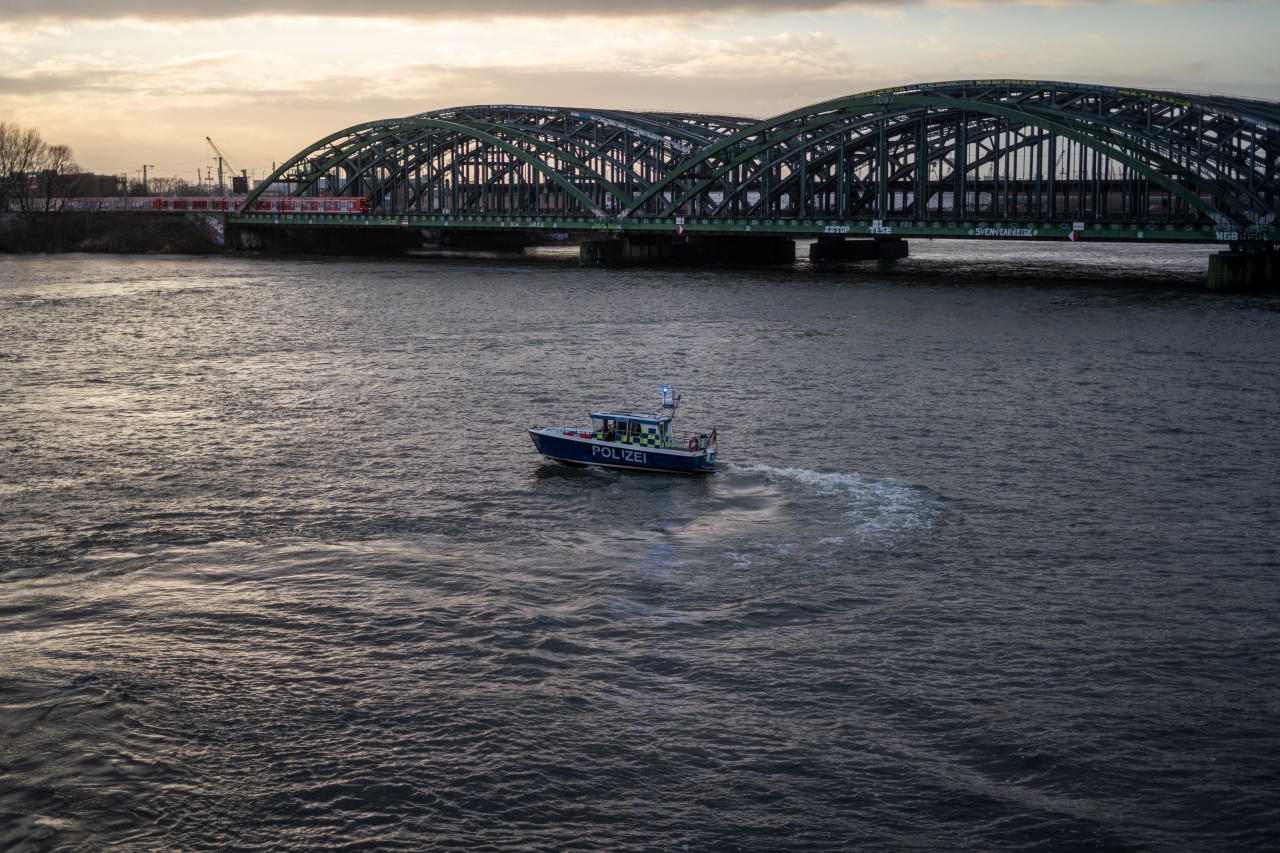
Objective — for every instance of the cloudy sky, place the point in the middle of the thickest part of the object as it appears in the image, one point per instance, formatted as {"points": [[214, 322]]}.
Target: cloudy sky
{"points": [[128, 82]]}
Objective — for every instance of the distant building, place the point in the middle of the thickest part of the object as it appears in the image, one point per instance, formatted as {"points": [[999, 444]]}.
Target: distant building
{"points": [[98, 186]]}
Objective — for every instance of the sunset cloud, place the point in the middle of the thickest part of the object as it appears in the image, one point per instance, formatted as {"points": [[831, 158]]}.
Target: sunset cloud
{"points": [[415, 10], [436, 10], [133, 81]]}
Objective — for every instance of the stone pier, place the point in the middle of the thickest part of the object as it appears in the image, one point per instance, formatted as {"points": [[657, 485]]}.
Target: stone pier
{"points": [[837, 249], [1245, 271], [662, 250]]}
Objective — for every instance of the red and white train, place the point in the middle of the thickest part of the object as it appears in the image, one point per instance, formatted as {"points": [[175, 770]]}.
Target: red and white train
{"points": [[265, 204], [288, 204]]}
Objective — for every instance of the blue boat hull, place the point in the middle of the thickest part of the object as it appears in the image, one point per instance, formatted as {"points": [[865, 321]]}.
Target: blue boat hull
{"points": [[577, 450]]}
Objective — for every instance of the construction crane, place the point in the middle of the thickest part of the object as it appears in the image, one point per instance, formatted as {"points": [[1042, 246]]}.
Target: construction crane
{"points": [[223, 158]]}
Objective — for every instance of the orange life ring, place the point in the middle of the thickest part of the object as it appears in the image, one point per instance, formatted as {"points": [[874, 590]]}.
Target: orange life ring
{"points": [[693, 444]]}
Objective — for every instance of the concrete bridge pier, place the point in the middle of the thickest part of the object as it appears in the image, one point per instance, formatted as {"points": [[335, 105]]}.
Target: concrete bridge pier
{"points": [[1236, 270], [626, 252], [663, 250], [837, 248]]}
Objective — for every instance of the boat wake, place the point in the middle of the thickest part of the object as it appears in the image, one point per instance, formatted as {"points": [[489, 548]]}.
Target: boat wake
{"points": [[761, 524], [866, 508]]}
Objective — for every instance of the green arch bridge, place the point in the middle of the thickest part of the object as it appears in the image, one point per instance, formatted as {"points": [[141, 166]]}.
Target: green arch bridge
{"points": [[973, 159]]}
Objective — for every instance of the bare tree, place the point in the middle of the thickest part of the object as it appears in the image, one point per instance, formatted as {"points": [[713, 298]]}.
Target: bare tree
{"points": [[37, 179], [184, 187], [165, 186], [20, 151]]}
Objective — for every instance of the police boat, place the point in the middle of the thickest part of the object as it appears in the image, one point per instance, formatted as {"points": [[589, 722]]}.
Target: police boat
{"points": [[631, 440]]}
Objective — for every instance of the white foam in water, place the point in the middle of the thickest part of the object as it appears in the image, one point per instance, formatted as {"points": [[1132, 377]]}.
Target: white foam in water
{"points": [[873, 507]]}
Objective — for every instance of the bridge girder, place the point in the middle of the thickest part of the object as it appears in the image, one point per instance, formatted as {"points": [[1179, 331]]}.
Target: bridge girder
{"points": [[962, 149]]}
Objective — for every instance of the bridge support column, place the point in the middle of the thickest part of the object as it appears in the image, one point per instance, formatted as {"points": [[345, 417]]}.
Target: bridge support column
{"points": [[661, 250], [840, 249], [1237, 271], [626, 252], [600, 253]]}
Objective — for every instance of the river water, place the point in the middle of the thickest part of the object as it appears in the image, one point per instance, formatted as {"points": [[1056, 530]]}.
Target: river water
{"points": [[992, 560]]}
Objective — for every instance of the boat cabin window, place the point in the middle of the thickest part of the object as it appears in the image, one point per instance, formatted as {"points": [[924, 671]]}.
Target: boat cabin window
{"points": [[628, 430]]}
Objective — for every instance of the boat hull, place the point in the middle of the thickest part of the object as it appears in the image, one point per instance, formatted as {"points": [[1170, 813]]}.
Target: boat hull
{"points": [[574, 448]]}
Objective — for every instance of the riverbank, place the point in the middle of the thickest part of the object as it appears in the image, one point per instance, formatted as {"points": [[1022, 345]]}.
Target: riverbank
{"points": [[115, 233], [1009, 262]]}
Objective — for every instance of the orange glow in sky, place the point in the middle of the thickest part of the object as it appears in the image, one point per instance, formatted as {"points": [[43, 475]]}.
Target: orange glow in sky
{"points": [[145, 81]]}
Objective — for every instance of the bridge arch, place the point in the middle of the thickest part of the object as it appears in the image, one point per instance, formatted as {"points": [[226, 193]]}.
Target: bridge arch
{"points": [[1051, 150], [975, 149], [376, 158], [497, 158]]}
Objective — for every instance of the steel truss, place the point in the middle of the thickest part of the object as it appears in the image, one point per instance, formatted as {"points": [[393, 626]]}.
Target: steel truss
{"points": [[973, 150]]}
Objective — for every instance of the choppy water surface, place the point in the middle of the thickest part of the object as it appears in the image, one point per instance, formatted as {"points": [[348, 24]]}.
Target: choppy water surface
{"points": [[991, 564]]}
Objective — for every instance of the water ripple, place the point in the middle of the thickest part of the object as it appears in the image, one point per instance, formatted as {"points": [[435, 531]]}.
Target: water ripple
{"points": [[984, 568]]}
